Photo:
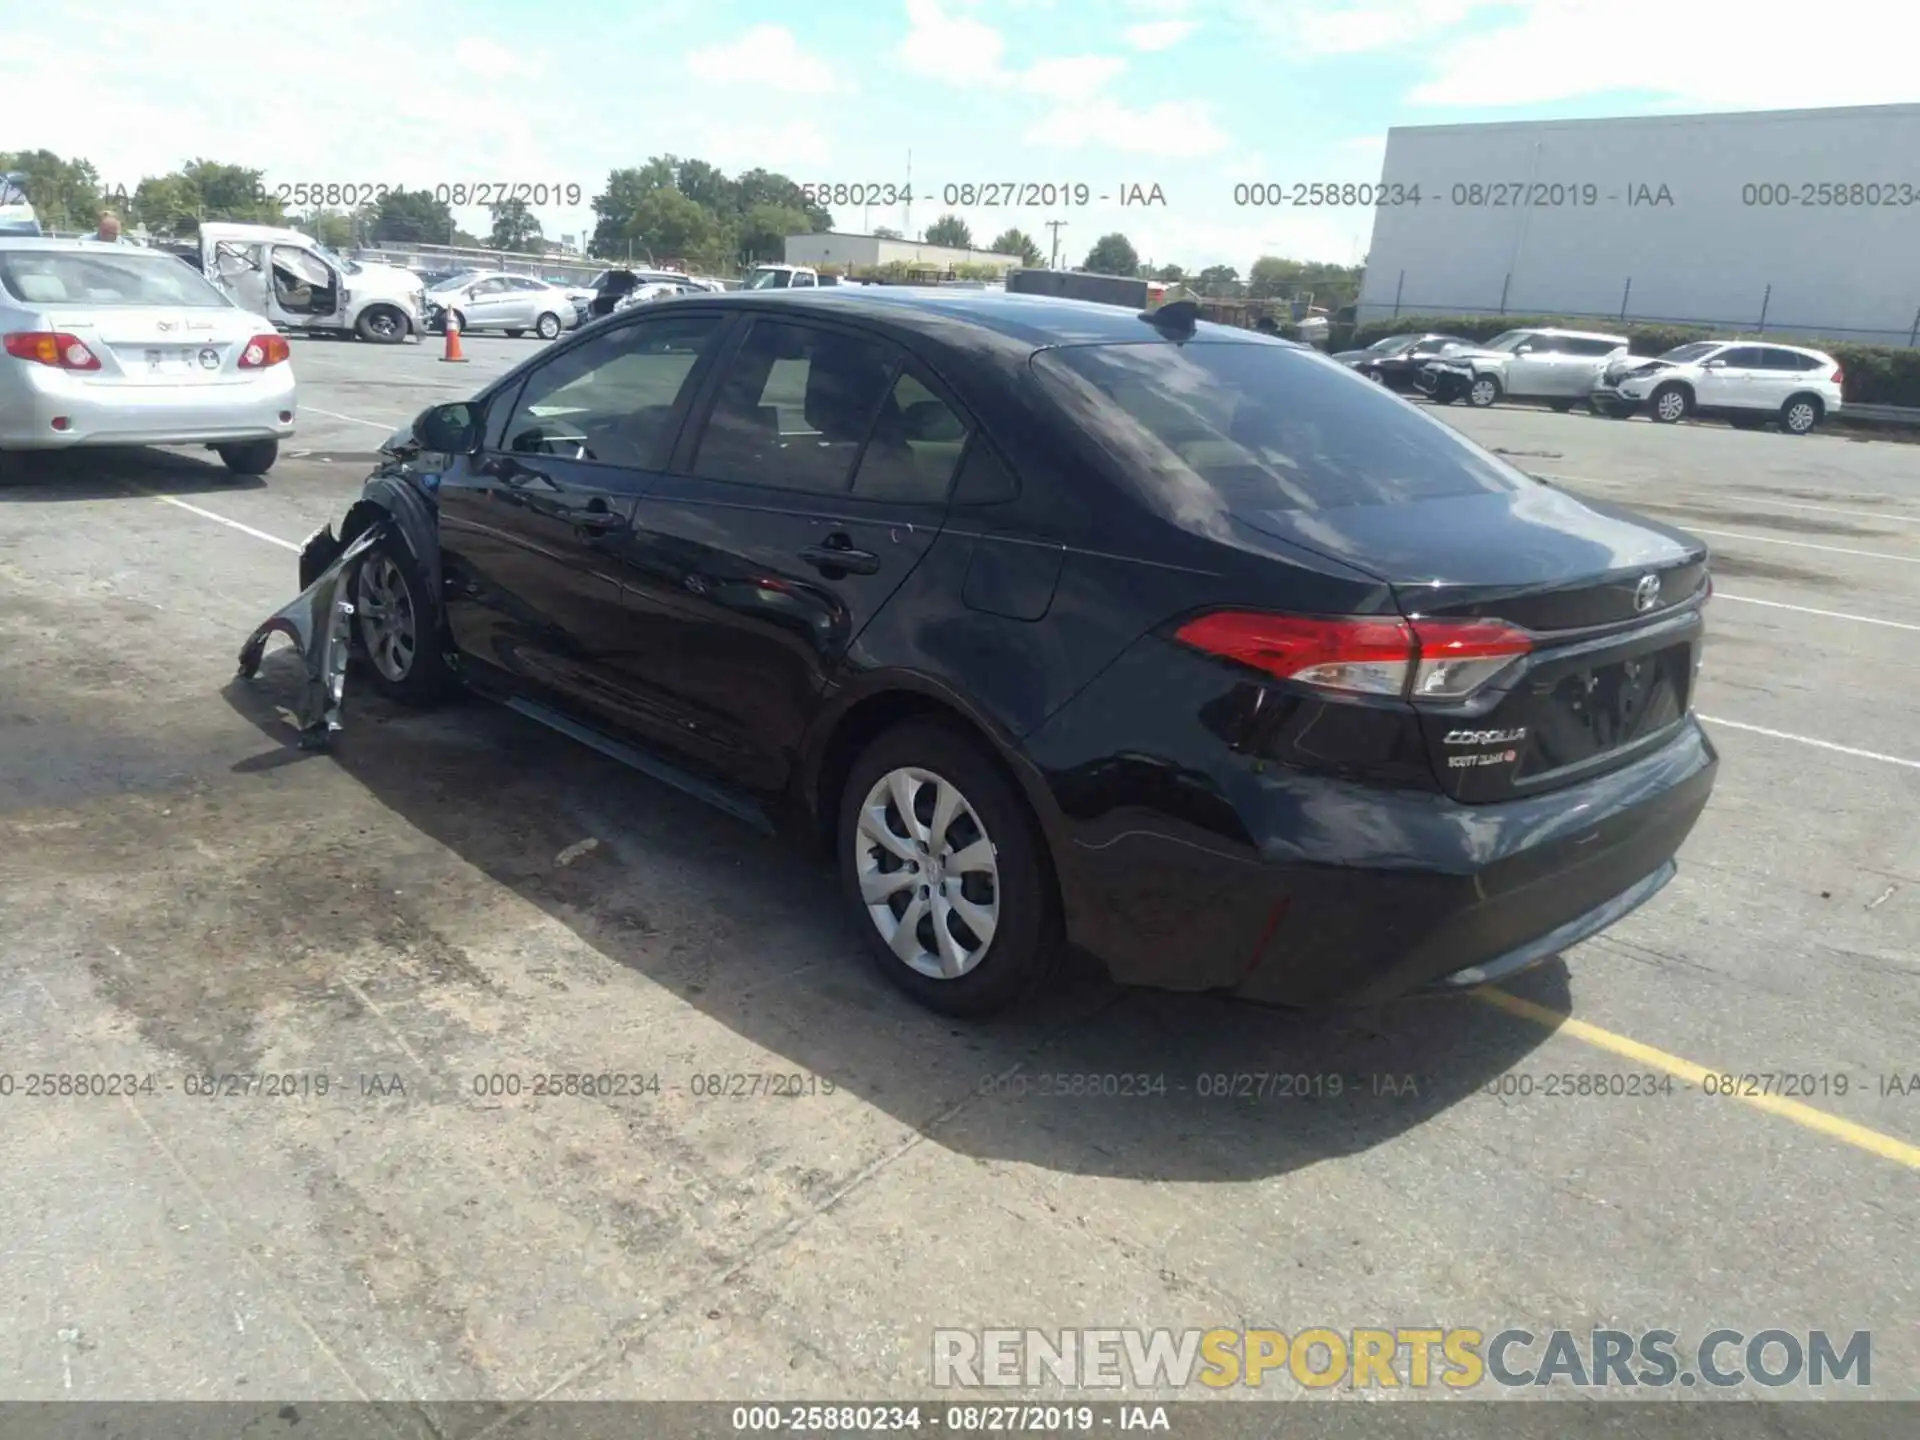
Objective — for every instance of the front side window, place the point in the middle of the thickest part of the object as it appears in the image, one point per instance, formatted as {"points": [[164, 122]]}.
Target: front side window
{"points": [[794, 408], [302, 284], [130, 277], [1247, 428], [614, 399]]}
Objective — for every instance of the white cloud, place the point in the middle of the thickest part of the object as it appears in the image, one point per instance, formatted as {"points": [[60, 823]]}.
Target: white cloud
{"points": [[1073, 78], [488, 60], [1158, 34], [1175, 129], [953, 48], [1309, 29], [1710, 54], [766, 55]]}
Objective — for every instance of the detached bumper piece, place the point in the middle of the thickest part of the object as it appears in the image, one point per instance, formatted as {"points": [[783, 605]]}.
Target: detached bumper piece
{"points": [[319, 622]]}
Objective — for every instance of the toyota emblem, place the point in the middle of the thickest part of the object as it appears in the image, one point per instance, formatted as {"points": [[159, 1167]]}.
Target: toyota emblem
{"points": [[1646, 594]]}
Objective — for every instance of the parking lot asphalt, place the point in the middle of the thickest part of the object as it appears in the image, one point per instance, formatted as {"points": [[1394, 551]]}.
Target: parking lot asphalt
{"points": [[455, 903]]}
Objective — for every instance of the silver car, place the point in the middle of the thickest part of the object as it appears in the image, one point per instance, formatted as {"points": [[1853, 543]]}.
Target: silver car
{"points": [[106, 344], [495, 300]]}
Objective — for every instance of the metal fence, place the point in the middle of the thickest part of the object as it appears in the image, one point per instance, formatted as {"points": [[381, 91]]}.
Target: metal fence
{"points": [[1763, 319]]}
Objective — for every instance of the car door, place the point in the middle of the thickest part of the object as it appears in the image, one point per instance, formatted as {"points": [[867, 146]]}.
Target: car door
{"points": [[240, 270], [487, 304], [536, 529], [808, 489], [1530, 372], [526, 298], [1780, 373], [1728, 380]]}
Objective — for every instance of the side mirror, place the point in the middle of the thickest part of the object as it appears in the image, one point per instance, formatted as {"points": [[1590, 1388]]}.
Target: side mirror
{"points": [[1523, 349], [448, 429]]}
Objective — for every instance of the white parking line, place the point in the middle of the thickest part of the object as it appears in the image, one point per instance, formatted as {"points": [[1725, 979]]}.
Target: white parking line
{"points": [[1817, 744], [230, 524], [1806, 545], [1748, 499], [387, 425], [1809, 610]]}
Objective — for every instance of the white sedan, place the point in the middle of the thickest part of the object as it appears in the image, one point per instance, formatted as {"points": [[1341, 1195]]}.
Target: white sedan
{"points": [[116, 345], [496, 300]]}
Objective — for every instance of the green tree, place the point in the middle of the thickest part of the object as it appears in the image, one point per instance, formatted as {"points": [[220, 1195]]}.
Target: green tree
{"points": [[515, 227], [883, 232], [767, 187], [166, 205], [335, 229], [231, 192], [667, 225], [950, 231], [415, 217], [1113, 255], [764, 229], [1169, 274], [1017, 242], [1218, 281], [1272, 277], [65, 193]]}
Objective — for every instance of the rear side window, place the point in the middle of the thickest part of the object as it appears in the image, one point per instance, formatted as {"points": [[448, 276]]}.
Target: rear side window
{"points": [[794, 407], [1263, 427], [1791, 360], [125, 277], [915, 447], [1591, 347]]}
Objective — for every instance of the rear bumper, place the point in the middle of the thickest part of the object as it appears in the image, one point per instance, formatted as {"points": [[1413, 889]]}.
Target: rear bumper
{"points": [[1355, 895], [97, 414]]}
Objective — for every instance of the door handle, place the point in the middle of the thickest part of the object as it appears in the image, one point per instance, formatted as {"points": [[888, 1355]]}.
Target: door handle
{"points": [[838, 554], [598, 519]]}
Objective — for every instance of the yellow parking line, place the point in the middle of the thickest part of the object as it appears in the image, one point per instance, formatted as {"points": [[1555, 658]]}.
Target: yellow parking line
{"points": [[1858, 1136]]}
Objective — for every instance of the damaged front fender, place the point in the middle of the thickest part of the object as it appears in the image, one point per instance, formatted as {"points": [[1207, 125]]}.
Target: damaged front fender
{"points": [[319, 622]]}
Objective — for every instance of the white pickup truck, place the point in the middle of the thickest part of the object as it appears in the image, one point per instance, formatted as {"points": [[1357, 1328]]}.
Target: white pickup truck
{"points": [[299, 284]]}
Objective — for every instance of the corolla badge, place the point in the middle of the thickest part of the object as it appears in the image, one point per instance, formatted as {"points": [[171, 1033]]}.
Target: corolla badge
{"points": [[1646, 594]]}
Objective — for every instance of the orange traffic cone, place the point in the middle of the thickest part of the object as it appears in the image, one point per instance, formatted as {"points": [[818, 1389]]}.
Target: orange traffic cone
{"points": [[453, 339]]}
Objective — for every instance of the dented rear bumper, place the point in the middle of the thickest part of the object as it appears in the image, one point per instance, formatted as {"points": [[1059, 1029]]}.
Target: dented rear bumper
{"points": [[319, 622]]}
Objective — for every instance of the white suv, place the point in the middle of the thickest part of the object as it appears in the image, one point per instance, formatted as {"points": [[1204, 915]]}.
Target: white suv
{"points": [[1557, 366], [1747, 384]]}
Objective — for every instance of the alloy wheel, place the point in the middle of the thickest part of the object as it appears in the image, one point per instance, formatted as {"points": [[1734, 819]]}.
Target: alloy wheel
{"points": [[1672, 405], [384, 607], [1800, 417], [928, 871]]}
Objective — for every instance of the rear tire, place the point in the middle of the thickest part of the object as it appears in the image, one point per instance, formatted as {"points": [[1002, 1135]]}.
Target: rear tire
{"points": [[969, 856], [395, 631], [249, 457], [1801, 414], [1669, 404], [1483, 391]]}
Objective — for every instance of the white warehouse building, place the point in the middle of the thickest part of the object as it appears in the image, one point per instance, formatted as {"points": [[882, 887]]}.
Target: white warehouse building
{"points": [[860, 252], [1797, 221]]}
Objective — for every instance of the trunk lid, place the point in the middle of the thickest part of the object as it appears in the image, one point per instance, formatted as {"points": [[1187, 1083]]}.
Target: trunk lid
{"points": [[1610, 598], [161, 345]]}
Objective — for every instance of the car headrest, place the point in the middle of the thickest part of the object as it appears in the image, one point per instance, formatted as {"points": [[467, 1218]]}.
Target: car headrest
{"points": [[841, 383], [47, 289]]}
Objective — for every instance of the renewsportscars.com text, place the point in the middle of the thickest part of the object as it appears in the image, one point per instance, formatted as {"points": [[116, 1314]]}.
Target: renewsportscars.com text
{"points": [[1321, 1358]]}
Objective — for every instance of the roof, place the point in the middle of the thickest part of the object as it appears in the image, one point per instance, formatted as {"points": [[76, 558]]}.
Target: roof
{"points": [[1036, 321], [1721, 118], [87, 246]]}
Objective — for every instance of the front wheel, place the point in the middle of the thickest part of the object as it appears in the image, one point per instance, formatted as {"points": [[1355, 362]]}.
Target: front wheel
{"points": [[398, 633], [1669, 405], [249, 457], [1483, 391], [548, 326], [1800, 414], [942, 871], [381, 325]]}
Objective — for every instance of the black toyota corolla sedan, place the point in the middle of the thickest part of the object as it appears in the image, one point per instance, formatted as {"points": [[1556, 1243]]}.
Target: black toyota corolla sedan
{"points": [[1060, 624]]}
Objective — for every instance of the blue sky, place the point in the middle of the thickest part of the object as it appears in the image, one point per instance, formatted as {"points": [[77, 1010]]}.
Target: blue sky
{"points": [[1194, 95]]}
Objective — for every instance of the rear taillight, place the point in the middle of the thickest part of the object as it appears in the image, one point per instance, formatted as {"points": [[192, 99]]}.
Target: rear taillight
{"points": [[1839, 376], [1363, 655], [52, 347], [264, 350]]}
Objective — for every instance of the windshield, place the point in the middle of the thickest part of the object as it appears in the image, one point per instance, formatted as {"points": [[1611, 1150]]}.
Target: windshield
{"points": [[771, 280], [1681, 354], [459, 281], [1392, 342], [350, 267], [130, 277], [1263, 427]]}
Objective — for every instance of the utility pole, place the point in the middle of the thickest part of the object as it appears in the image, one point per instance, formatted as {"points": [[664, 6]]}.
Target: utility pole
{"points": [[906, 220], [1053, 257]]}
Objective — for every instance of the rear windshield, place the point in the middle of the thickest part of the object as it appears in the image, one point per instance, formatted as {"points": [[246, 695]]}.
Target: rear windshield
{"points": [[1264, 427], [109, 277]]}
